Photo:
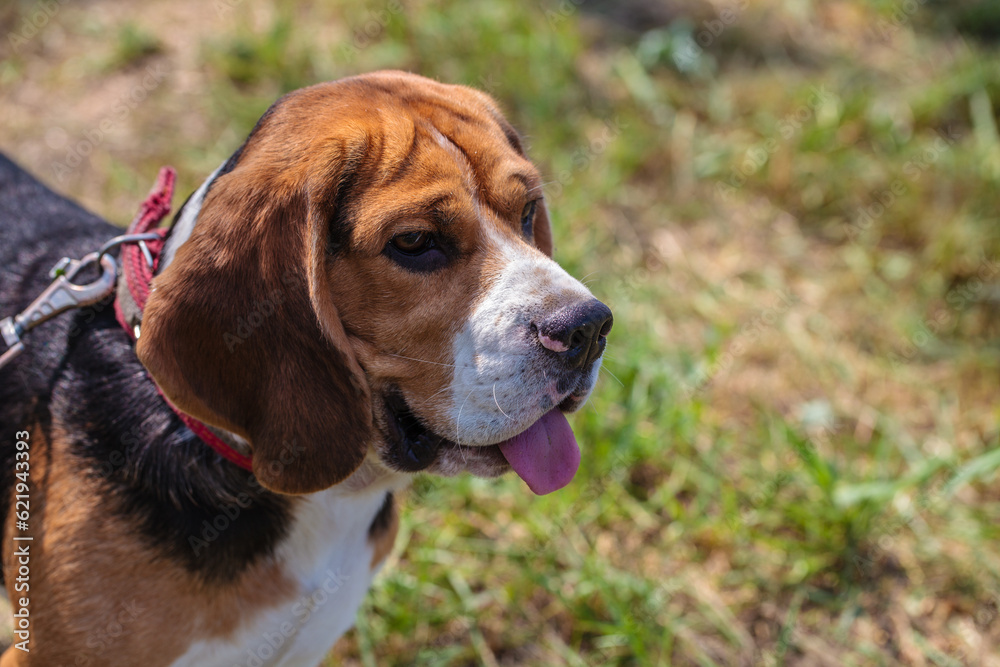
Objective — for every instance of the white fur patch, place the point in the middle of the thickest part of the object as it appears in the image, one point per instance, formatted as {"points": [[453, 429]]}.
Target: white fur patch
{"points": [[328, 552], [504, 380]]}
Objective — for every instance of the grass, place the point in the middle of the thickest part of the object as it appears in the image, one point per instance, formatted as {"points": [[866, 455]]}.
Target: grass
{"points": [[792, 457]]}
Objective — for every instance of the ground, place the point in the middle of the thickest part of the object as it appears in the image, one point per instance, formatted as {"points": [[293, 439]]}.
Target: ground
{"points": [[792, 208]]}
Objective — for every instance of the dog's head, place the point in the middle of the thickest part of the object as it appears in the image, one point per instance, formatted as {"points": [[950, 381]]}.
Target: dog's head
{"points": [[371, 275]]}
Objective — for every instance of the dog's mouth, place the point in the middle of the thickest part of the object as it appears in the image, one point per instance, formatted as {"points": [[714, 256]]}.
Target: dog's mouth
{"points": [[545, 454], [412, 446]]}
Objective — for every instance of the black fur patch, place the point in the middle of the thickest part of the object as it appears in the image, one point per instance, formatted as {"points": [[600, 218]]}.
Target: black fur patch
{"points": [[202, 510], [80, 371], [383, 519]]}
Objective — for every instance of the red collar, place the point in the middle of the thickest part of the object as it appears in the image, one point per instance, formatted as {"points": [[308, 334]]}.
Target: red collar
{"points": [[139, 263]]}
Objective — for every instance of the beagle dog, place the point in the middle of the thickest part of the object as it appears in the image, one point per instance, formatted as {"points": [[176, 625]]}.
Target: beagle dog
{"points": [[363, 291]]}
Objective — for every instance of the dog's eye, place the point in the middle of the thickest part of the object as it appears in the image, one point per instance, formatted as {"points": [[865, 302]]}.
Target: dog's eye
{"points": [[412, 243], [528, 219], [416, 251]]}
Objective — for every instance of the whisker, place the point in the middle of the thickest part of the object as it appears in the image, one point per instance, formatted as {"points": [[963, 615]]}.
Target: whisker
{"points": [[424, 361], [498, 402], [604, 368], [458, 418], [439, 391]]}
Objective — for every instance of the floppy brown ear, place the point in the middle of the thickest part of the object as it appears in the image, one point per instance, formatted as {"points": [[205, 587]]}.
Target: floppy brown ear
{"points": [[241, 334]]}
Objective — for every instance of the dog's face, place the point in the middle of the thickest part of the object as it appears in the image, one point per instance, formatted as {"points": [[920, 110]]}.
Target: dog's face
{"points": [[384, 244]]}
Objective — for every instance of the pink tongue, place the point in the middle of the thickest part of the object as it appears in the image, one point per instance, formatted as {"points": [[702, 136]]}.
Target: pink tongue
{"points": [[545, 456]]}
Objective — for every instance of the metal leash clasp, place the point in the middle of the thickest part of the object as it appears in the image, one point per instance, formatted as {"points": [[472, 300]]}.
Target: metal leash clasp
{"points": [[61, 295]]}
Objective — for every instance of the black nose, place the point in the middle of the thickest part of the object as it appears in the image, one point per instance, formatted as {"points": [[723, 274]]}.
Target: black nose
{"points": [[577, 333]]}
